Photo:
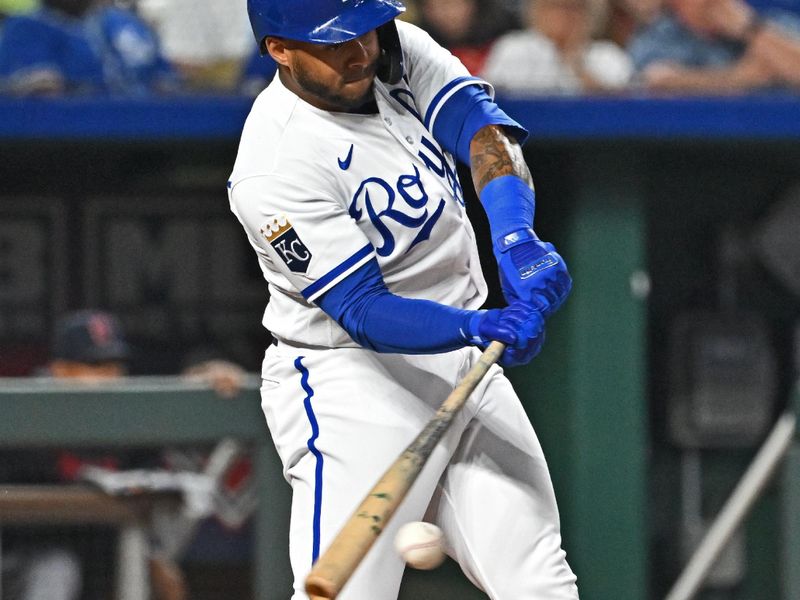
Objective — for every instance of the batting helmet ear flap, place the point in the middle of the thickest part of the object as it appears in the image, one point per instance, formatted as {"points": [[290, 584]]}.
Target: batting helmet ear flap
{"points": [[390, 63]]}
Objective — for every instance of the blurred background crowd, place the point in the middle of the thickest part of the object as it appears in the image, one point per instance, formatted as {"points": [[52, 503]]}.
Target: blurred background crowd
{"points": [[552, 47]]}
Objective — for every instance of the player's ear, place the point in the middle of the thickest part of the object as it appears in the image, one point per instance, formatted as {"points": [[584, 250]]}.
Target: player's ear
{"points": [[277, 50]]}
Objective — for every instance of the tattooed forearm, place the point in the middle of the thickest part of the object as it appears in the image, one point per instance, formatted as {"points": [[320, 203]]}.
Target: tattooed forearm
{"points": [[494, 154]]}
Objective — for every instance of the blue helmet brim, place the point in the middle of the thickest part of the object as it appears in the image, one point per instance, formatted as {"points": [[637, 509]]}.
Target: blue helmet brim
{"points": [[352, 24]]}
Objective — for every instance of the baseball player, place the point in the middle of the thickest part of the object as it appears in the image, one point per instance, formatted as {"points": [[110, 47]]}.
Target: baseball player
{"points": [[345, 183]]}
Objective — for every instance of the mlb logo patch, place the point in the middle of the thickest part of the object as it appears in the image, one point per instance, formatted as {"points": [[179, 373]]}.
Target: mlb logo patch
{"points": [[280, 234]]}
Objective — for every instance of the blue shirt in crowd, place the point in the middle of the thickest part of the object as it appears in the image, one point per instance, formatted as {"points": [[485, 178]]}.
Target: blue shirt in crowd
{"points": [[107, 51], [668, 40]]}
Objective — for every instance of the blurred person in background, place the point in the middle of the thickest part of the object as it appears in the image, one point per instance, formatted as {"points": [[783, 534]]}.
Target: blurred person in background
{"points": [[412, 12], [82, 47], [556, 53], [257, 73], [627, 17], [90, 347], [208, 41], [717, 46], [467, 28]]}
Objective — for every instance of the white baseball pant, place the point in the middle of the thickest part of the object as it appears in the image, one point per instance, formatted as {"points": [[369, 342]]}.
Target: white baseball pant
{"points": [[339, 418]]}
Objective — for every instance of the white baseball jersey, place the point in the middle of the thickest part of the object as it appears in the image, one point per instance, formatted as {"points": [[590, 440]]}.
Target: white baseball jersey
{"points": [[321, 193]]}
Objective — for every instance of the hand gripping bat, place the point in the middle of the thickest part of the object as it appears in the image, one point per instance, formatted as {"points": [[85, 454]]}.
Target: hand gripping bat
{"points": [[333, 569]]}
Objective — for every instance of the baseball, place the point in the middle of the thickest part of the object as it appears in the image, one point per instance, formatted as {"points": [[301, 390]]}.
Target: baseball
{"points": [[420, 545]]}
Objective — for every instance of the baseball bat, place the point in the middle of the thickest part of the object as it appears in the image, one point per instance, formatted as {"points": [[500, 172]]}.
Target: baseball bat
{"points": [[333, 569]]}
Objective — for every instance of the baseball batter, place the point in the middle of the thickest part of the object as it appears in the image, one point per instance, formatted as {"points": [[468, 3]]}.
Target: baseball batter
{"points": [[346, 186]]}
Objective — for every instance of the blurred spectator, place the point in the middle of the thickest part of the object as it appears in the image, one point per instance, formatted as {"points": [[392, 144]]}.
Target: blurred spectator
{"points": [[82, 46], [257, 73], [556, 53], [717, 46], [465, 27], [627, 17], [89, 346], [204, 364], [412, 12], [207, 40]]}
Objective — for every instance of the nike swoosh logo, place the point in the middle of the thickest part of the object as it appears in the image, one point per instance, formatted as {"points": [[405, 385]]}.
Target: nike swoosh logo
{"points": [[345, 164]]}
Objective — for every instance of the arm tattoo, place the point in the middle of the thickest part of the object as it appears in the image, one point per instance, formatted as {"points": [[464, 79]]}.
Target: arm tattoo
{"points": [[494, 154]]}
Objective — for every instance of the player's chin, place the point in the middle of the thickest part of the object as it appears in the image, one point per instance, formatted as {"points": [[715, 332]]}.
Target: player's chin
{"points": [[357, 88], [356, 93]]}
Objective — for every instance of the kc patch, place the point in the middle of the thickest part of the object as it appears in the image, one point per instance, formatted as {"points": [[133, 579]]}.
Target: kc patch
{"points": [[280, 234]]}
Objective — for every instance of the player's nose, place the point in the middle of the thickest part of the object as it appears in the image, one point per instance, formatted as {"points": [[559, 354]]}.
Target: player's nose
{"points": [[362, 51]]}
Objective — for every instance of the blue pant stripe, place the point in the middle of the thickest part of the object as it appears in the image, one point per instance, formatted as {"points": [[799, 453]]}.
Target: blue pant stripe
{"points": [[312, 419]]}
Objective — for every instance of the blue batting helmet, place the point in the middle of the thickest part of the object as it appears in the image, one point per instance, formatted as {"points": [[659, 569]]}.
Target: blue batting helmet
{"points": [[319, 21]]}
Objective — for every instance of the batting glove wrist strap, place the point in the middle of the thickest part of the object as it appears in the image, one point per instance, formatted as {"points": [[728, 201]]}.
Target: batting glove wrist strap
{"points": [[515, 238], [472, 332]]}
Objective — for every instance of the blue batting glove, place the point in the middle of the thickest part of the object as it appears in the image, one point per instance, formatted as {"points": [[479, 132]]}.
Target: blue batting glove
{"points": [[532, 271], [519, 326]]}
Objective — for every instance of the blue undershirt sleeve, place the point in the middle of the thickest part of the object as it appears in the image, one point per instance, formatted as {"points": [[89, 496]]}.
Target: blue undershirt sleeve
{"points": [[464, 114], [381, 321]]}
